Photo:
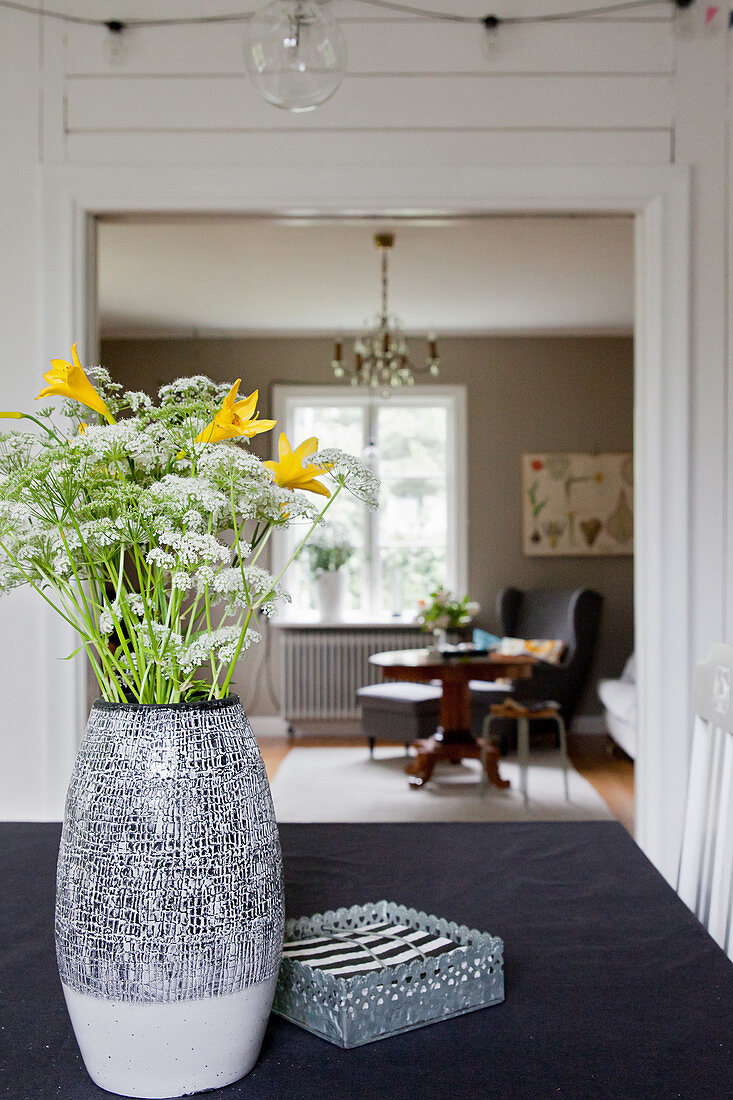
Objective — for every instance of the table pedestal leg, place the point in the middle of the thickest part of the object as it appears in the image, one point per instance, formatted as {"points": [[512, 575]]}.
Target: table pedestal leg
{"points": [[492, 769], [446, 745], [421, 766]]}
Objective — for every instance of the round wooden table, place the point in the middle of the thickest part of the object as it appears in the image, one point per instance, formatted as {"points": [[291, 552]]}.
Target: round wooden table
{"points": [[452, 739]]}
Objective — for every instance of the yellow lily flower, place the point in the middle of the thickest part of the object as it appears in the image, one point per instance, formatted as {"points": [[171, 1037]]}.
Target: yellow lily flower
{"points": [[291, 471], [235, 418], [69, 380], [11, 416]]}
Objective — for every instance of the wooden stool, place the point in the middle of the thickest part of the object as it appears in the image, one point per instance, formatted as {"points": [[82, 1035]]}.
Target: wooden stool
{"points": [[522, 715]]}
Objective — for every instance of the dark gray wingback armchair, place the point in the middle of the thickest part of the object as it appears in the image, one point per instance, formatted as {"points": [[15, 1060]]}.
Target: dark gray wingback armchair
{"points": [[573, 616]]}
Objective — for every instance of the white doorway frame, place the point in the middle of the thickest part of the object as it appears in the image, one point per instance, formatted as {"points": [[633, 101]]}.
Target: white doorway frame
{"points": [[658, 198]]}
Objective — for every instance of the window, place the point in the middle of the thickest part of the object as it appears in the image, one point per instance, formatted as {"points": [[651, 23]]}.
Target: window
{"points": [[415, 441]]}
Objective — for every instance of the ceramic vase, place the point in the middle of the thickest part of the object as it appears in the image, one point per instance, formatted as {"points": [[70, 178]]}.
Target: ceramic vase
{"points": [[331, 590], [169, 904]]}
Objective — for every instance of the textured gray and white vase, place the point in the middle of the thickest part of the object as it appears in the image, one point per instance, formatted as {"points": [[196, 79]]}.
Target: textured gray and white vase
{"points": [[169, 903]]}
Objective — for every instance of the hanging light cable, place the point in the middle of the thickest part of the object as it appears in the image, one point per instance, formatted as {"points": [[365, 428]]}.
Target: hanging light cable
{"points": [[381, 357], [389, 5], [295, 51]]}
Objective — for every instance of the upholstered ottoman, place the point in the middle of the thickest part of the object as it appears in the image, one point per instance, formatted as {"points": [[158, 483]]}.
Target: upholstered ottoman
{"points": [[398, 712]]}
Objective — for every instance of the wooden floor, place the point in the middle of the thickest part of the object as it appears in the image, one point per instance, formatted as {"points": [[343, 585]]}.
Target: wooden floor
{"points": [[612, 775]]}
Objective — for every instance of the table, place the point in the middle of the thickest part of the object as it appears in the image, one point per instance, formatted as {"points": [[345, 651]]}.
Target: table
{"points": [[613, 989], [453, 739]]}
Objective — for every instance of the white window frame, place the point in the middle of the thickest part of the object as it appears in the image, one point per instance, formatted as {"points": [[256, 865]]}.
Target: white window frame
{"points": [[453, 397]]}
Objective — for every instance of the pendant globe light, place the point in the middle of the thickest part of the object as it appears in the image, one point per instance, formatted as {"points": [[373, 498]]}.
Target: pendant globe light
{"points": [[295, 54]]}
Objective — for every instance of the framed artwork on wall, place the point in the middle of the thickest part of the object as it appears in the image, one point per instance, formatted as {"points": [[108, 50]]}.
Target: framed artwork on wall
{"points": [[577, 504]]}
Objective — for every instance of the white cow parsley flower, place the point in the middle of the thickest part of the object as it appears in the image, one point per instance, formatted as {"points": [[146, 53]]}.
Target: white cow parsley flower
{"points": [[351, 473]]}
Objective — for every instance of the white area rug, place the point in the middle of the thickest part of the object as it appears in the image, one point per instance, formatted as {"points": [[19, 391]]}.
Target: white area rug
{"points": [[345, 785]]}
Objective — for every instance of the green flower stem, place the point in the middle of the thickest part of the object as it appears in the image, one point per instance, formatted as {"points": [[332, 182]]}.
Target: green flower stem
{"points": [[79, 585], [169, 625], [101, 598], [194, 613], [88, 640], [109, 660], [308, 534], [148, 600], [34, 586], [27, 416], [237, 545], [128, 620], [105, 655], [245, 587], [116, 692], [235, 658], [131, 633], [113, 689], [87, 552], [145, 598], [264, 539], [207, 601]]}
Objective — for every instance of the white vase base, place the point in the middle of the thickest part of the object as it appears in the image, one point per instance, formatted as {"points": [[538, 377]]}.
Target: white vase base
{"points": [[159, 1051]]}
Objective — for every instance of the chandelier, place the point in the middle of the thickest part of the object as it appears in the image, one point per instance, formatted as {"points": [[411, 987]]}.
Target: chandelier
{"points": [[381, 356]]}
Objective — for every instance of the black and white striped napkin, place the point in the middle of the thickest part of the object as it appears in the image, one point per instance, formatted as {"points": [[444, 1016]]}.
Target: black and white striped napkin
{"points": [[357, 951]]}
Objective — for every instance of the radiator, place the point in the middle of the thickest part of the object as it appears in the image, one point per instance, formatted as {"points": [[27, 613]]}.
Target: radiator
{"points": [[323, 668]]}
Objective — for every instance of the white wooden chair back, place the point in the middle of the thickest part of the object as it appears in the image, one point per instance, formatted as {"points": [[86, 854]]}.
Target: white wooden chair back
{"points": [[705, 881]]}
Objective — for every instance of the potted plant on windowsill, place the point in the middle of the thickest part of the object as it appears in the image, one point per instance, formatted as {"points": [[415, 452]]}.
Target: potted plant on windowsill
{"points": [[329, 549], [142, 525]]}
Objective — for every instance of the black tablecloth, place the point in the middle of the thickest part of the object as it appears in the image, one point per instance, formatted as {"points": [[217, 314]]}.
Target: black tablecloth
{"points": [[613, 990]]}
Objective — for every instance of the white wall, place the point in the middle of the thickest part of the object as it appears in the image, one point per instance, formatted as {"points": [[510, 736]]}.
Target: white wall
{"points": [[415, 92], [626, 90], [22, 771]]}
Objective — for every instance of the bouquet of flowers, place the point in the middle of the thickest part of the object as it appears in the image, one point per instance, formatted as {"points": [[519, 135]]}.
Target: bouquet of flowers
{"points": [[444, 612], [142, 525], [328, 549]]}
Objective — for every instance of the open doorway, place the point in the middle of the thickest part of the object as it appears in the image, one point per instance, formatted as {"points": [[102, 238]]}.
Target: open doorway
{"points": [[657, 198], [534, 317]]}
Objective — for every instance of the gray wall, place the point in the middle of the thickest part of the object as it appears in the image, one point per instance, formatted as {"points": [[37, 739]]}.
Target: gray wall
{"points": [[524, 394]]}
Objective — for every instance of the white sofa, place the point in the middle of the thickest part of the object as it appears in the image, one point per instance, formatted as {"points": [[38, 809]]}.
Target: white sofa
{"points": [[619, 702]]}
